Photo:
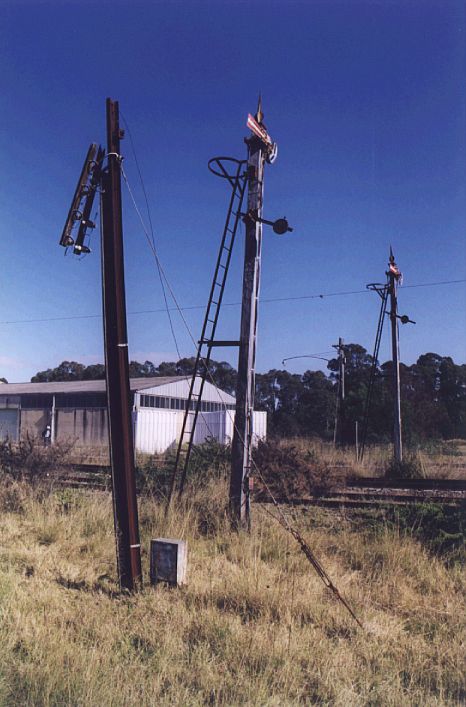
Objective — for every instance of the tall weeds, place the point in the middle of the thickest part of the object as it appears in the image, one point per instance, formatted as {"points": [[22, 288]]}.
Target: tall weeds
{"points": [[253, 626]]}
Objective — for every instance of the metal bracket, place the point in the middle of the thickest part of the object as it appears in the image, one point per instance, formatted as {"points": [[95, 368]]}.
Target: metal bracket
{"points": [[377, 287], [280, 226], [216, 166], [210, 343]]}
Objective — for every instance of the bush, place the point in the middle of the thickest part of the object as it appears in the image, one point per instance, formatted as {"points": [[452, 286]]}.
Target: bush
{"points": [[442, 529], [29, 460], [410, 468], [210, 460], [14, 495], [293, 472]]}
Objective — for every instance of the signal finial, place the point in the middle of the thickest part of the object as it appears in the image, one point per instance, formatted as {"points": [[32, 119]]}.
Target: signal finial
{"points": [[259, 115]]}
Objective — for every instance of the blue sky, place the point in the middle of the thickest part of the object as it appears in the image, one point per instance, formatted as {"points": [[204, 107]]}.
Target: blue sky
{"points": [[366, 101]]}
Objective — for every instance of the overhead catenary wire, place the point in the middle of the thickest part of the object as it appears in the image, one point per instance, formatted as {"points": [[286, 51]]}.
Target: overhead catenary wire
{"points": [[265, 300]]}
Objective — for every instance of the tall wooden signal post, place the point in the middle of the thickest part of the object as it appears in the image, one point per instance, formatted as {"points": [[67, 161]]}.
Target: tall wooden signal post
{"points": [[242, 175], [261, 149]]}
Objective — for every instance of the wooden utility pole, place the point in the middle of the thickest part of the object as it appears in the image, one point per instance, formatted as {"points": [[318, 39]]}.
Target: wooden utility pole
{"points": [[337, 434], [393, 278], [116, 363], [243, 432]]}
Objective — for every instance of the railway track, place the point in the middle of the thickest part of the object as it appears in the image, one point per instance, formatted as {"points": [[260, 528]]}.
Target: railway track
{"points": [[356, 493], [364, 498]]}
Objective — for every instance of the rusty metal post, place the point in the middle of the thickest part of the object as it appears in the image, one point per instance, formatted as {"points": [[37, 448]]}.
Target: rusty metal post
{"points": [[242, 436], [116, 364], [393, 277]]}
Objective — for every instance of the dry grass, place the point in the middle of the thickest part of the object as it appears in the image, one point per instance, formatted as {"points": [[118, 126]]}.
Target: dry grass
{"points": [[254, 625], [439, 460]]}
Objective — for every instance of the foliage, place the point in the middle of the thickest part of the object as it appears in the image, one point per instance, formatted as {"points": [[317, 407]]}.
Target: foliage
{"points": [[440, 528], [29, 460], [210, 461], [409, 468], [433, 395], [291, 471]]}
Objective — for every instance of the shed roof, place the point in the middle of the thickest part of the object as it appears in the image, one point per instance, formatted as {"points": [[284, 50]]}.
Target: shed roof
{"points": [[95, 386]]}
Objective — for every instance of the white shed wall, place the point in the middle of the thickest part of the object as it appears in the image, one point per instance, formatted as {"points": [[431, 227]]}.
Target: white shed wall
{"points": [[220, 425], [214, 424], [259, 426], [157, 430]]}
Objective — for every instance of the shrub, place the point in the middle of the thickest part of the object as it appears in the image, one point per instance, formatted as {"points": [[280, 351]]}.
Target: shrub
{"points": [[290, 471], [14, 495], [210, 460], [410, 468], [442, 529], [29, 460]]}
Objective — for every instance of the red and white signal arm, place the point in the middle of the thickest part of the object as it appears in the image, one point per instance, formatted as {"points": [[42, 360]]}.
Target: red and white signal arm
{"points": [[262, 134], [258, 130]]}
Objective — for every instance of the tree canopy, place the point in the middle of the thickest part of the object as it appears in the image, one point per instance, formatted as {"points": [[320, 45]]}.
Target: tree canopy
{"points": [[433, 394]]}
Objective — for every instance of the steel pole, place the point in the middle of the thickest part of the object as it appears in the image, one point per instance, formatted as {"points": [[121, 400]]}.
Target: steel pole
{"points": [[242, 435], [116, 364]]}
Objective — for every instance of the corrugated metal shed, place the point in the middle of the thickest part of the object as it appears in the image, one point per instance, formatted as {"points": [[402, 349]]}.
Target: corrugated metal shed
{"points": [[98, 386], [220, 426], [179, 388], [78, 413], [156, 430], [173, 386]]}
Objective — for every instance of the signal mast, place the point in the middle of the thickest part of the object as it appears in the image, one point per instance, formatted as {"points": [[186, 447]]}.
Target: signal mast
{"points": [[95, 176]]}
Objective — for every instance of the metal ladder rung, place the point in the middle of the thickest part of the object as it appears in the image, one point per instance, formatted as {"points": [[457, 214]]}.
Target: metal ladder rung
{"points": [[238, 184]]}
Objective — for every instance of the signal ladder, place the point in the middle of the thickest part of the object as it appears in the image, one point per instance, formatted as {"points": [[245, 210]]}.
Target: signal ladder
{"points": [[238, 182]]}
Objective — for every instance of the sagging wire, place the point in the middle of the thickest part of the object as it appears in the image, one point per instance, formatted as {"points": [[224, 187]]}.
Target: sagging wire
{"points": [[162, 273], [167, 309], [282, 519], [312, 559], [269, 300]]}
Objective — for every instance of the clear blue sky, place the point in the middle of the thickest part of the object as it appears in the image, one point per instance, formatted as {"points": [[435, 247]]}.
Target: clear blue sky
{"points": [[367, 103]]}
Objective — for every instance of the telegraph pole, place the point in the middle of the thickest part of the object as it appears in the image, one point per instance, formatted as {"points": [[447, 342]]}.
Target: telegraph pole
{"points": [[116, 363], [337, 434], [241, 459], [394, 276]]}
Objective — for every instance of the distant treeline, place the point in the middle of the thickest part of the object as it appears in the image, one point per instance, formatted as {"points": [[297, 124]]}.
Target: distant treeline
{"points": [[433, 394]]}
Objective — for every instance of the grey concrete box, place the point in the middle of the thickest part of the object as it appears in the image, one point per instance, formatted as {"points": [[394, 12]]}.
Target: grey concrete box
{"points": [[168, 561]]}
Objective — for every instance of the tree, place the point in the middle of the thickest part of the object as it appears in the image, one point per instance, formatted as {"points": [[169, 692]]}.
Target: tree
{"points": [[142, 370], [95, 371], [433, 394], [316, 404], [66, 371]]}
